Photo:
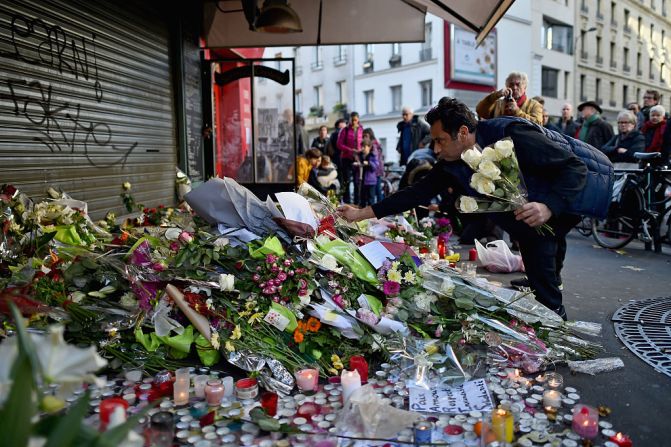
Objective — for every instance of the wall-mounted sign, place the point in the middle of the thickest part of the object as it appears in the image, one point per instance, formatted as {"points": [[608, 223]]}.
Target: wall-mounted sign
{"points": [[471, 64]]}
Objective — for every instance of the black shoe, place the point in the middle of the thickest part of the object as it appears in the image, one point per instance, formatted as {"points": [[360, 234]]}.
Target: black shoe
{"points": [[523, 284], [561, 312]]}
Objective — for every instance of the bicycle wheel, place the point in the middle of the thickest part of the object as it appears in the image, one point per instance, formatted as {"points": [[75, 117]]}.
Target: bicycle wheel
{"points": [[622, 223]]}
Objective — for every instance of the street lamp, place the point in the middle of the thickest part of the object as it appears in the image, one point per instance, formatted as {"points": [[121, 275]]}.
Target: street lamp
{"points": [[575, 70]]}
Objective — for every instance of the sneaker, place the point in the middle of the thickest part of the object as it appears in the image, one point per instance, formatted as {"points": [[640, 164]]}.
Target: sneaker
{"points": [[523, 284]]}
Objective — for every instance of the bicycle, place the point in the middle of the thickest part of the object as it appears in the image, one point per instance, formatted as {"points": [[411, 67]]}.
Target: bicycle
{"points": [[392, 178], [637, 211], [584, 227]]}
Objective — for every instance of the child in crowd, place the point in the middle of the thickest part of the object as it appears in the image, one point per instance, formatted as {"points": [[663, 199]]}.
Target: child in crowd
{"points": [[327, 174], [369, 164]]}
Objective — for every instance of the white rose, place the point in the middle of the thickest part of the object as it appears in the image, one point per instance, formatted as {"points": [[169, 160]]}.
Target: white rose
{"points": [[489, 169], [490, 154], [504, 148], [329, 262], [472, 158], [468, 204], [226, 282], [447, 287], [482, 184], [172, 234]]}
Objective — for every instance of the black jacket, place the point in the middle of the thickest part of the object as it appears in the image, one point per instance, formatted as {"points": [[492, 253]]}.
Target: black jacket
{"points": [[599, 133], [633, 142], [569, 128], [420, 131]]}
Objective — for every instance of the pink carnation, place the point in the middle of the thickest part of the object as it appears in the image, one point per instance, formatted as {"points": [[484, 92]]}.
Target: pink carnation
{"points": [[391, 288]]}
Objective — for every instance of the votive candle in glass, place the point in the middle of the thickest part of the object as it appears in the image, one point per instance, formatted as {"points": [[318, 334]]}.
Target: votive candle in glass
{"points": [[554, 381], [621, 440], [214, 392], [552, 398], [199, 383], [269, 403], [350, 381], [361, 365], [585, 421], [162, 426], [502, 425], [307, 378]]}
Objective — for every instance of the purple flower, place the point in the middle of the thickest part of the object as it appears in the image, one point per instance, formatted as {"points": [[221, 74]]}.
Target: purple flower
{"points": [[287, 262], [302, 284], [276, 299], [268, 291], [391, 288], [367, 316], [282, 276], [439, 331], [339, 301], [291, 273], [274, 268], [443, 221], [386, 265], [256, 277], [270, 259], [303, 292], [174, 246]]}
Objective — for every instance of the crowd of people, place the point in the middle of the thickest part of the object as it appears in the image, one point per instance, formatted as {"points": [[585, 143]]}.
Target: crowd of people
{"points": [[350, 161]]}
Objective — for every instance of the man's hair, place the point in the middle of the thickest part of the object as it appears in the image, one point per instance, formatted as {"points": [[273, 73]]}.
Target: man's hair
{"points": [[518, 75], [313, 153], [323, 127], [658, 109], [326, 159], [338, 121], [654, 93], [452, 114]]}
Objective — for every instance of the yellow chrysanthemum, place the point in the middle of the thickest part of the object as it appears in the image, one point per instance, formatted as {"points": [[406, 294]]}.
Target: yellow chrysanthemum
{"points": [[394, 275], [409, 277], [237, 333], [256, 317], [229, 346]]}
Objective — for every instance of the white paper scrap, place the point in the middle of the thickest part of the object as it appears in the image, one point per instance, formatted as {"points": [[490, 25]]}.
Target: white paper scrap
{"points": [[470, 396], [296, 207], [376, 253]]}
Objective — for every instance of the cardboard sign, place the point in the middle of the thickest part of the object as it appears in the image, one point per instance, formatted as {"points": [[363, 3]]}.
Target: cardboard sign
{"points": [[470, 396]]}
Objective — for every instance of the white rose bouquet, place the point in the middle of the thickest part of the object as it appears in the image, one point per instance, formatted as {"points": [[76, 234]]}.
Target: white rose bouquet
{"points": [[497, 176]]}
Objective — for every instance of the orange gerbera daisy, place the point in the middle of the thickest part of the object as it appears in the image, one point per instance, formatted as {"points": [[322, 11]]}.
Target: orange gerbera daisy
{"points": [[298, 336], [301, 327], [313, 324]]}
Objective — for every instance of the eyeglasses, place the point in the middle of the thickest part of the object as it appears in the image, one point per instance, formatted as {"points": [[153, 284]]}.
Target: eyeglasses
{"points": [[624, 122]]}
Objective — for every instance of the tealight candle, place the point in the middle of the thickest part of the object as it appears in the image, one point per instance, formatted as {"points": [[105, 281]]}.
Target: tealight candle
{"points": [[555, 381], [502, 425], [585, 421], [180, 388], [199, 383], [552, 398], [621, 440], [307, 379]]}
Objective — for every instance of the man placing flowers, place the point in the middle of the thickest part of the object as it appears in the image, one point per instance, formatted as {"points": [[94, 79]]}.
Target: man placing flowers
{"points": [[561, 186]]}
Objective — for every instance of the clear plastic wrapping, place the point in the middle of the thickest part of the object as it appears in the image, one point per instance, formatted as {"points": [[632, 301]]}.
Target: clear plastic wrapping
{"points": [[596, 366]]}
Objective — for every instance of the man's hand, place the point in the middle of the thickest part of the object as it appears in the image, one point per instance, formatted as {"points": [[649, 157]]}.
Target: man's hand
{"points": [[506, 92], [533, 214], [352, 214], [510, 108], [621, 150]]}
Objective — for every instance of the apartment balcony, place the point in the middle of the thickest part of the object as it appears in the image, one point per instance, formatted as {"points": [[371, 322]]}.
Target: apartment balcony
{"points": [[599, 60], [613, 65], [613, 23], [340, 60], [626, 68], [652, 76], [584, 9], [599, 101], [425, 54], [368, 66], [639, 72], [583, 55], [612, 103], [395, 60], [583, 98], [627, 29], [318, 65], [599, 17]]}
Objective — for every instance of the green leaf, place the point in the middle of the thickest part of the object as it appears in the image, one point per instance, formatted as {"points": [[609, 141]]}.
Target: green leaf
{"points": [[264, 422], [115, 436], [19, 408], [68, 426], [464, 303]]}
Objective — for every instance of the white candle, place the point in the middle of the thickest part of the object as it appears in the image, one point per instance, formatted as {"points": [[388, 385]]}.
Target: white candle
{"points": [[552, 398], [228, 386], [181, 392], [350, 381], [307, 379], [199, 383]]}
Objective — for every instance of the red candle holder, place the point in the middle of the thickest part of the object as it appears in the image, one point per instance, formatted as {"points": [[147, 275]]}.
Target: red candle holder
{"points": [[269, 403], [621, 440], [107, 407], [361, 365], [307, 410]]}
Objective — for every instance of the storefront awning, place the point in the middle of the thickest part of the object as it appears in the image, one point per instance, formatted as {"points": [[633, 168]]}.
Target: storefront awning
{"points": [[337, 22]]}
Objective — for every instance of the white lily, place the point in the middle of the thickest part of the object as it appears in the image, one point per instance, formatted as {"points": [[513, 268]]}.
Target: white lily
{"points": [[226, 282]]}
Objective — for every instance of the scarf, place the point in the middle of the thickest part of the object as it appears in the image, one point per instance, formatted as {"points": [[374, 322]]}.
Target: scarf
{"points": [[521, 101], [582, 136], [657, 137]]}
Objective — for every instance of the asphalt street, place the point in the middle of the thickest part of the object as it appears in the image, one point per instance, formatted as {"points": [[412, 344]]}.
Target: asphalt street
{"points": [[597, 282]]}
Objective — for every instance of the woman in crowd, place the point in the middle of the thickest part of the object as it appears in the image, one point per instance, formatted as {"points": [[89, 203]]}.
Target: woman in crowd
{"points": [[622, 146], [653, 129], [349, 144], [376, 148], [327, 174]]}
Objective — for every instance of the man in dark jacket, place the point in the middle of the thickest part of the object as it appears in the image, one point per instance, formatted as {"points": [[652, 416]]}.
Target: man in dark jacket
{"points": [[594, 130], [557, 179], [412, 131], [566, 123]]}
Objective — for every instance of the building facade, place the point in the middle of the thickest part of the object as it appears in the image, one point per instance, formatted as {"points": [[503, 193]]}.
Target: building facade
{"points": [[621, 52]]}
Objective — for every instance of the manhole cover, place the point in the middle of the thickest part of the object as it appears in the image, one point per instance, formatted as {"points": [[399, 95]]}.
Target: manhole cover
{"points": [[645, 328]]}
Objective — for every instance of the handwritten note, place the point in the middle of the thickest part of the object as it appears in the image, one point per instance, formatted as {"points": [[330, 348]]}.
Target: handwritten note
{"points": [[470, 396], [376, 253]]}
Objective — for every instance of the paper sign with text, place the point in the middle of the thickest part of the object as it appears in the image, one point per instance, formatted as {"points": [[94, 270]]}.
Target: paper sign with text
{"points": [[470, 396]]}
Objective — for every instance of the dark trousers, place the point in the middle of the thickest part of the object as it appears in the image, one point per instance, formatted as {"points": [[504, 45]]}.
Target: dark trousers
{"points": [[346, 170], [368, 195], [543, 254]]}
